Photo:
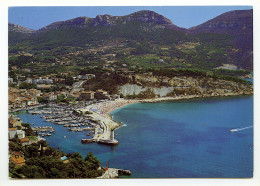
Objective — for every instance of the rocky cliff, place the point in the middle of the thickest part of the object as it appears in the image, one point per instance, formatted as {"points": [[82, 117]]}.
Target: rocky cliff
{"points": [[176, 86], [108, 20]]}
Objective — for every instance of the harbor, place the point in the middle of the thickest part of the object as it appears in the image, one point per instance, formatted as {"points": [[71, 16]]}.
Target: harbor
{"points": [[144, 143], [43, 130], [100, 127]]}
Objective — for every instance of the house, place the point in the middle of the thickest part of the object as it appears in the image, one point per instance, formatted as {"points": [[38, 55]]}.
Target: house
{"points": [[59, 80], [12, 132], [87, 95], [50, 96], [17, 158], [101, 94], [10, 80], [161, 60], [74, 95], [14, 67], [34, 81], [79, 76], [20, 134], [48, 81], [29, 80], [35, 92], [86, 76], [43, 86], [15, 122], [26, 70], [25, 141]]}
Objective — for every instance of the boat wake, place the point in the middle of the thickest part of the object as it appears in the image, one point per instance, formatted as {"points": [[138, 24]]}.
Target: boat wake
{"points": [[239, 129], [122, 125]]}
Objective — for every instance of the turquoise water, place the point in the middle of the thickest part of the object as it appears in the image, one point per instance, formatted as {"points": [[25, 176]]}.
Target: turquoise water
{"points": [[181, 139]]}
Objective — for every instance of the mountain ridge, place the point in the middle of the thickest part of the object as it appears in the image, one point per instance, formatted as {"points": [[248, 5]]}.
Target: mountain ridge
{"points": [[105, 17], [108, 20], [230, 34]]}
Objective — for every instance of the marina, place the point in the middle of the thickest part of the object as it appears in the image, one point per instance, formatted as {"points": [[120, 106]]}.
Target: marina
{"points": [[71, 118]]}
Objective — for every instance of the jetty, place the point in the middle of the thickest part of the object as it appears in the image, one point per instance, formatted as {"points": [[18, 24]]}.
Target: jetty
{"points": [[104, 129]]}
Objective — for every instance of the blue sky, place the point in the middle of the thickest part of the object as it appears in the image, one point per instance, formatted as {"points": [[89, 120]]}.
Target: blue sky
{"points": [[182, 16]]}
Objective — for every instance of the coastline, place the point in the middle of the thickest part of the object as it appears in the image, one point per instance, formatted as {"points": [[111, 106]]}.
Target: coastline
{"points": [[155, 100], [101, 113], [26, 108]]}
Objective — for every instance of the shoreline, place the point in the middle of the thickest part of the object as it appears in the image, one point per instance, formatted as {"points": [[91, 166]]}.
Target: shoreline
{"points": [[26, 108], [101, 113], [155, 100]]}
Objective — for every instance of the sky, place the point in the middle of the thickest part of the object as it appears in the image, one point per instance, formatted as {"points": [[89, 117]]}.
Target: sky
{"points": [[182, 16]]}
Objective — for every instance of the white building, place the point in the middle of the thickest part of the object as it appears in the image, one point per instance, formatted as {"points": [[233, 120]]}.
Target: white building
{"points": [[29, 80], [10, 80], [12, 132]]}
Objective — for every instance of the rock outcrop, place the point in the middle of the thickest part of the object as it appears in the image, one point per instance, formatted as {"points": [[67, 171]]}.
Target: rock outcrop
{"points": [[17, 28], [108, 20], [176, 86]]}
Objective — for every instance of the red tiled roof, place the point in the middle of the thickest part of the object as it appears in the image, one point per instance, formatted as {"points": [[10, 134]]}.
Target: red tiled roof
{"points": [[12, 129], [24, 139], [17, 153]]}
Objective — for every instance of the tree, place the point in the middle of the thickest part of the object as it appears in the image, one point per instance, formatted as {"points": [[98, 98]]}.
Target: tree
{"points": [[31, 171], [25, 85], [92, 161], [41, 100], [32, 150], [75, 155], [28, 130], [55, 173], [69, 80], [13, 75]]}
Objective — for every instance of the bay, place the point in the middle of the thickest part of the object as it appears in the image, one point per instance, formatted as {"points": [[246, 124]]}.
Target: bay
{"points": [[180, 139]]}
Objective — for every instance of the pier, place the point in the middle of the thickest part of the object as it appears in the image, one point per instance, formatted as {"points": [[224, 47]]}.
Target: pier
{"points": [[104, 129]]}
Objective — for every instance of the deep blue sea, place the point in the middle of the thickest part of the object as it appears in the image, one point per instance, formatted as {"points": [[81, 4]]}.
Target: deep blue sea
{"points": [[180, 139]]}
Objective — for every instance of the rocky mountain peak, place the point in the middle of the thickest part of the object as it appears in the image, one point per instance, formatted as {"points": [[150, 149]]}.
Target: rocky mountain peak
{"points": [[20, 29], [150, 17], [109, 20]]}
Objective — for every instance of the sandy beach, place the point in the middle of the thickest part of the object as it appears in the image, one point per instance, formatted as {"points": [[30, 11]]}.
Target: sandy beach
{"points": [[104, 108], [100, 112]]}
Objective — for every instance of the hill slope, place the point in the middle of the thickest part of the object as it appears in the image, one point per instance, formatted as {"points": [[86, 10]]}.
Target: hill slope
{"points": [[224, 39], [239, 25]]}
